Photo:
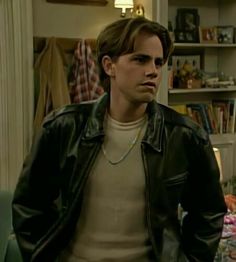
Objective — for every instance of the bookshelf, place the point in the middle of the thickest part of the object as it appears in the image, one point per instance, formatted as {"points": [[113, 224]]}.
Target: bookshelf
{"points": [[202, 90], [215, 57]]}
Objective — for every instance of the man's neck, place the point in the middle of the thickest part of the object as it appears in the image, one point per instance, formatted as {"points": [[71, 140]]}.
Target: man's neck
{"points": [[127, 114], [125, 117]]}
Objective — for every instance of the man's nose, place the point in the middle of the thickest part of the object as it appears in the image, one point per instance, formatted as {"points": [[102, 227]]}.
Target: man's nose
{"points": [[151, 71]]}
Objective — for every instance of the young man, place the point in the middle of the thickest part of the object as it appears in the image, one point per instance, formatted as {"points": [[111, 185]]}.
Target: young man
{"points": [[104, 179]]}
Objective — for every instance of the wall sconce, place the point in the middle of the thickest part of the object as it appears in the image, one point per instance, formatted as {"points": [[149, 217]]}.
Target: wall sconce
{"points": [[138, 10], [124, 4]]}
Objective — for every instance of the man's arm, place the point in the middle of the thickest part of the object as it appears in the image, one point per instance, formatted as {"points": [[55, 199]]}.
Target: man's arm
{"points": [[204, 202], [33, 207]]}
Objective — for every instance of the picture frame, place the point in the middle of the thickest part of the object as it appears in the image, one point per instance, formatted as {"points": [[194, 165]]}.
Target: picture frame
{"points": [[208, 34], [187, 19], [225, 34], [190, 36]]}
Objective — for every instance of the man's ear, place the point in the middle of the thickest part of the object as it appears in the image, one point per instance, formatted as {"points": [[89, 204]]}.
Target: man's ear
{"points": [[108, 66]]}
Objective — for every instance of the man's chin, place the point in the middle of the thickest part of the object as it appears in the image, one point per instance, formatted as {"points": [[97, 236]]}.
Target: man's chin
{"points": [[147, 98]]}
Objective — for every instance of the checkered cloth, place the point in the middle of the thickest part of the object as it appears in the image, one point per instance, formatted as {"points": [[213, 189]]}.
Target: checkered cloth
{"points": [[84, 79]]}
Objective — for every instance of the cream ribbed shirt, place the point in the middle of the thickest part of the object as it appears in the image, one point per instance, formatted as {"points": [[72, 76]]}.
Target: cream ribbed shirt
{"points": [[112, 224]]}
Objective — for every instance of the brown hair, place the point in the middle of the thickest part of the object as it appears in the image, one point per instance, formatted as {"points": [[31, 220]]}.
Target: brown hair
{"points": [[118, 39]]}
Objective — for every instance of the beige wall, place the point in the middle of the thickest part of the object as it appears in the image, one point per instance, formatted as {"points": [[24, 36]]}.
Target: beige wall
{"points": [[76, 21]]}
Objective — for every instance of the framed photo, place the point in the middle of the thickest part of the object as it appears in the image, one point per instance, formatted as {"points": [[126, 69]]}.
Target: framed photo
{"points": [[187, 19], [225, 34], [208, 34], [190, 36]]}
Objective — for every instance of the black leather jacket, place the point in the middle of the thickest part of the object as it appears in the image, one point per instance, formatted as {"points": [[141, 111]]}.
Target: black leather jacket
{"points": [[180, 168]]}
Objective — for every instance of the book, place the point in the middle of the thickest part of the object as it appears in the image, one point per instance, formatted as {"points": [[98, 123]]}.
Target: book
{"points": [[201, 116], [232, 115], [181, 108], [212, 118], [222, 106]]}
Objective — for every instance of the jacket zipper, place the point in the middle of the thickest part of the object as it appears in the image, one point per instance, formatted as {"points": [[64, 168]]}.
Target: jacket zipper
{"points": [[63, 218], [149, 223]]}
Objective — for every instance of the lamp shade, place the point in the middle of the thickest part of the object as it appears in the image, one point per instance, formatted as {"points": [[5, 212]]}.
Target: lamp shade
{"points": [[123, 4]]}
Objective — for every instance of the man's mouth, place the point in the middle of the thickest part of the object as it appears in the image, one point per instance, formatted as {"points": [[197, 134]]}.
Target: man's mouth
{"points": [[149, 84]]}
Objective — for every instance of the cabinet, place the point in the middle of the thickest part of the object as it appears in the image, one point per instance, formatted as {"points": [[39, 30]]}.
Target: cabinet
{"points": [[215, 57]]}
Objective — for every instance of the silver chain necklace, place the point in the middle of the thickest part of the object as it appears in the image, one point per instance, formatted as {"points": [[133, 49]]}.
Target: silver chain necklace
{"points": [[131, 146]]}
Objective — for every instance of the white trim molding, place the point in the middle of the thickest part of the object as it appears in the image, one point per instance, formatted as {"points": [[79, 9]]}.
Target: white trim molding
{"points": [[16, 88]]}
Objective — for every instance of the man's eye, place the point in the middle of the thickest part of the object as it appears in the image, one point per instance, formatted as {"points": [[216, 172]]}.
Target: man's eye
{"points": [[140, 59], [159, 62]]}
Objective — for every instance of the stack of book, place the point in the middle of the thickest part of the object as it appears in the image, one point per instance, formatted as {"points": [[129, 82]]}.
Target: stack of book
{"points": [[217, 117]]}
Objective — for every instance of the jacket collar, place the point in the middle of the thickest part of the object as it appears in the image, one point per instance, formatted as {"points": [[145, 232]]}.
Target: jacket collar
{"points": [[154, 132]]}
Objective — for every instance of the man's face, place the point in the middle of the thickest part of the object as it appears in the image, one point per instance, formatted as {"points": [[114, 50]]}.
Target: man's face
{"points": [[136, 76]]}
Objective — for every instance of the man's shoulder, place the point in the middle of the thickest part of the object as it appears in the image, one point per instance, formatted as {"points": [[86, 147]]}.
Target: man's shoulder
{"points": [[175, 118], [69, 111]]}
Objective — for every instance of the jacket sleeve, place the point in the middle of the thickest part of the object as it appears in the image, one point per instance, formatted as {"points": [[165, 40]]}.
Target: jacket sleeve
{"points": [[203, 202], [33, 208]]}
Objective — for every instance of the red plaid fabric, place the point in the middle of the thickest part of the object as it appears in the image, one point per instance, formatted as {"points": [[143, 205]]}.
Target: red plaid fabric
{"points": [[84, 80]]}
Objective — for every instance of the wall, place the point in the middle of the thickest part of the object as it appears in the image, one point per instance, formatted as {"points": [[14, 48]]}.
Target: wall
{"points": [[76, 21]]}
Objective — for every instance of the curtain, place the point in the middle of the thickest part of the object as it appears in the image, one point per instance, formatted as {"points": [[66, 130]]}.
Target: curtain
{"points": [[16, 88]]}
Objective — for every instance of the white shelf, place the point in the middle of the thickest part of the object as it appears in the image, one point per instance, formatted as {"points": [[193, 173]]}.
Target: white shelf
{"points": [[202, 45], [222, 138], [201, 90]]}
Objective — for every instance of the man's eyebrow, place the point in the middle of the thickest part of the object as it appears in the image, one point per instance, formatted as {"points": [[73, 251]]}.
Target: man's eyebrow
{"points": [[146, 56], [140, 54]]}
